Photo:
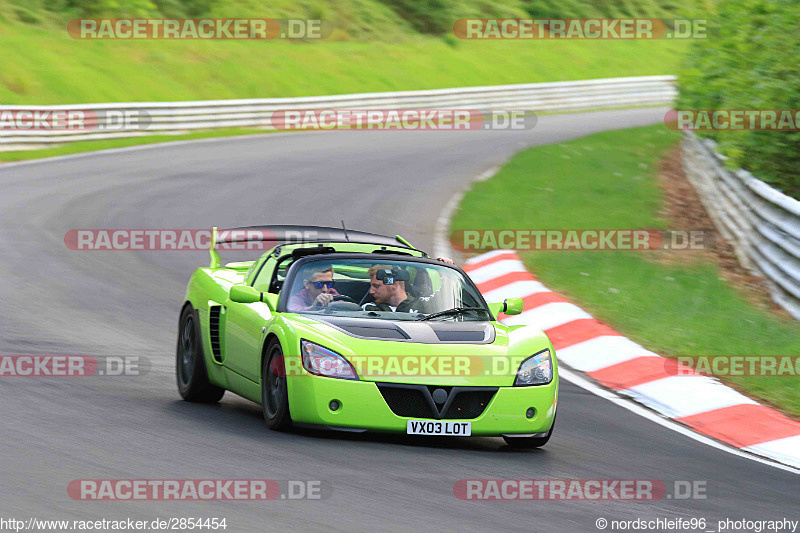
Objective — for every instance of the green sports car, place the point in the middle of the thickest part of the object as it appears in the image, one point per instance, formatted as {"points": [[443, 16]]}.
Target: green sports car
{"points": [[339, 329]]}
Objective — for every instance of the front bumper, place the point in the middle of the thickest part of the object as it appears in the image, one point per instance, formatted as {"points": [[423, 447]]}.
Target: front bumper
{"points": [[363, 407]]}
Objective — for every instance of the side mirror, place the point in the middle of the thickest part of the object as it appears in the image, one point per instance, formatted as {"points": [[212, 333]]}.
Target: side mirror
{"points": [[513, 306], [245, 294], [509, 306]]}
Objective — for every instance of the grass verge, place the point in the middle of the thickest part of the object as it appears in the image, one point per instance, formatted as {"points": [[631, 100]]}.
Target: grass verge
{"points": [[92, 146], [672, 305], [57, 69]]}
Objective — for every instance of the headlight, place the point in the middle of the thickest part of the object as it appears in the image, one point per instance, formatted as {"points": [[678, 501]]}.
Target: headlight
{"points": [[323, 362], [535, 370]]}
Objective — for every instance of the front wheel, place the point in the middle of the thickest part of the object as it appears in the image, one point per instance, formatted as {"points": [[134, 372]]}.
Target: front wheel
{"points": [[274, 393], [528, 443], [190, 364]]}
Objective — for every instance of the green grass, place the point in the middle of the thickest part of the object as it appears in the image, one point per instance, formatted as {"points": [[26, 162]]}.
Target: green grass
{"points": [[46, 66], [674, 308], [91, 146], [56, 69], [376, 46]]}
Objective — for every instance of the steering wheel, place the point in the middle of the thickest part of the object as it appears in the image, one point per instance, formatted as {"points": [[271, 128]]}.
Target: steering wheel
{"points": [[343, 298]]}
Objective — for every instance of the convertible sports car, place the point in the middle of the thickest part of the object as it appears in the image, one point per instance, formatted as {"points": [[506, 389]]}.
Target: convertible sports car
{"points": [[354, 331]]}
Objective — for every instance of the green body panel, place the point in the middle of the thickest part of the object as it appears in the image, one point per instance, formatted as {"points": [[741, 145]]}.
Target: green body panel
{"points": [[246, 328], [363, 407]]}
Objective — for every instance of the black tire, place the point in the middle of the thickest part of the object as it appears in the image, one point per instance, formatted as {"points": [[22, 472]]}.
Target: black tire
{"points": [[274, 392], [528, 443], [190, 362]]}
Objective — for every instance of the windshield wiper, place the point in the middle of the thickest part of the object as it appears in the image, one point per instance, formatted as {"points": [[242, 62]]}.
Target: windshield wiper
{"points": [[452, 312]]}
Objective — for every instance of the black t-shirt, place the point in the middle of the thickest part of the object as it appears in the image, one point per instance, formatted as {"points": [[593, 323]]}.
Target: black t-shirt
{"points": [[409, 305]]}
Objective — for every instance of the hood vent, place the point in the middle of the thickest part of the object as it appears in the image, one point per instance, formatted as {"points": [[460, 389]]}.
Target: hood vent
{"points": [[454, 335], [375, 333], [439, 332]]}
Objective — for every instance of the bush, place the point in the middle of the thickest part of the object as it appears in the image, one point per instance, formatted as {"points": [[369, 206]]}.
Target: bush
{"points": [[116, 8], [750, 62], [615, 8], [438, 16], [388, 20]]}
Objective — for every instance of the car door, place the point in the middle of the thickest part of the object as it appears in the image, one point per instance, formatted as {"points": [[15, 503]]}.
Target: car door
{"points": [[244, 328]]}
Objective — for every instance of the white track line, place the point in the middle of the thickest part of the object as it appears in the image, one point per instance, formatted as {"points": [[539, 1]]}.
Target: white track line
{"points": [[441, 244], [148, 146]]}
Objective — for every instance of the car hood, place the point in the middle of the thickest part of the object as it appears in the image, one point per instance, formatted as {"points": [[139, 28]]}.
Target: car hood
{"points": [[425, 352], [427, 332]]}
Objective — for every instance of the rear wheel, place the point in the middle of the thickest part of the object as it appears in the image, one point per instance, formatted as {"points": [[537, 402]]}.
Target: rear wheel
{"points": [[274, 393], [530, 442], [190, 364]]}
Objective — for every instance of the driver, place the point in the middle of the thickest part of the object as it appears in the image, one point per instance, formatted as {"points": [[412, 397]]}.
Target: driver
{"points": [[317, 291]]}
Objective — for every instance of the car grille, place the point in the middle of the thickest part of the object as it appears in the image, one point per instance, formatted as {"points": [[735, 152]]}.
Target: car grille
{"points": [[416, 401], [469, 404], [407, 402]]}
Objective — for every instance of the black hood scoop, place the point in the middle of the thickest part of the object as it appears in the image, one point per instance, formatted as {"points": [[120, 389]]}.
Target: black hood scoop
{"points": [[428, 332], [455, 335]]}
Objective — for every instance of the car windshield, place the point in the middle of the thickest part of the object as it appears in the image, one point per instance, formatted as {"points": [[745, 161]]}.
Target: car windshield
{"points": [[381, 289]]}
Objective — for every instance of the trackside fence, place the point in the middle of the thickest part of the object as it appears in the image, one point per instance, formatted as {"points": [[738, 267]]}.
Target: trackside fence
{"points": [[173, 118], [762, 223]]}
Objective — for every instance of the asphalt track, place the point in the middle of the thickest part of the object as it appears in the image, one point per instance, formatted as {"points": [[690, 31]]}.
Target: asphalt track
{"points": [[57, 301]]}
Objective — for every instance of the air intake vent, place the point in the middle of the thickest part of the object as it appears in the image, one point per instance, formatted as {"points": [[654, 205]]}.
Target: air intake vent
{"points": [[460, 336], [416, 401], [377, 333], [213, 331], [469, 404], [407, 402]]}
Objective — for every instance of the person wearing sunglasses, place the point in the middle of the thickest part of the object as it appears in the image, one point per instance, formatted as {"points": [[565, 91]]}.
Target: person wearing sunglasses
{"points": [[317, 291]]}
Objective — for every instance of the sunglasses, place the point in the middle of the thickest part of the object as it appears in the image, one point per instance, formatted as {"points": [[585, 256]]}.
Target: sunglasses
{"points": [[320, 284]]}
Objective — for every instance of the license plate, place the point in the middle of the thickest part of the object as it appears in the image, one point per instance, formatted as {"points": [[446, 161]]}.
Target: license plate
{"points": [[439, 427]]}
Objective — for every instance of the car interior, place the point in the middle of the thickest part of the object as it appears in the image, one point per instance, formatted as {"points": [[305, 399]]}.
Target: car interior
{"points": [[419, 284]]}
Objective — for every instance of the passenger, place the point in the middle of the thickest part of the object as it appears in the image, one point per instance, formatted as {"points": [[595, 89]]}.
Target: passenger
{"points": [[391, 296]]}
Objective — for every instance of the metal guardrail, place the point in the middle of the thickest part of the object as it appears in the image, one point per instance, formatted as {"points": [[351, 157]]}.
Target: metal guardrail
{"points": [[762, 223], [172, 118]]}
